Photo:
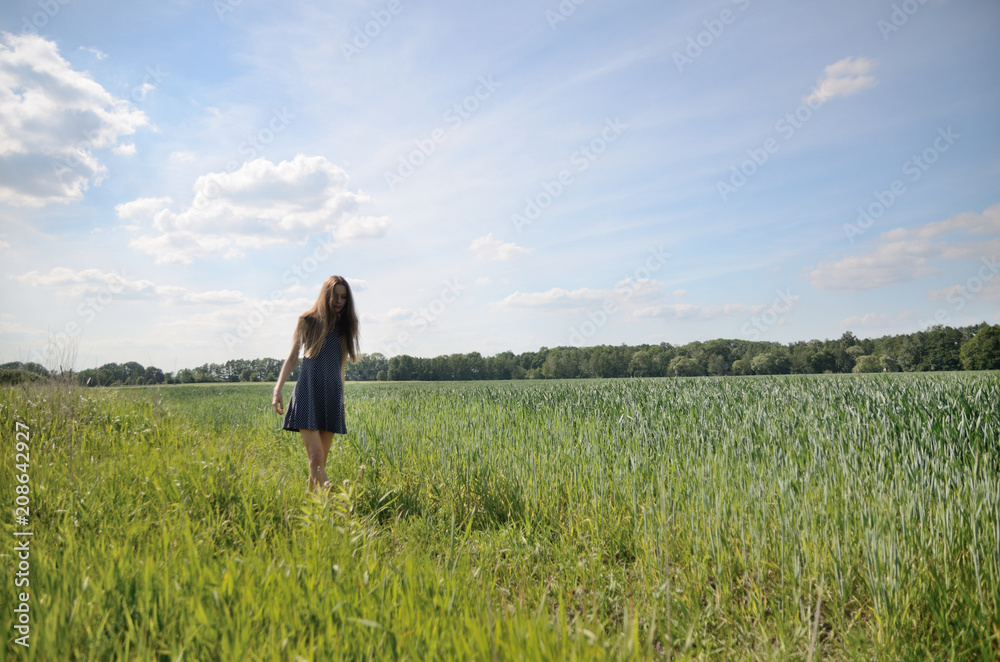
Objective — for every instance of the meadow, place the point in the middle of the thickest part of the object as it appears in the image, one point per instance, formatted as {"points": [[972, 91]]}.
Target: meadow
{"points": [[792, 518]]}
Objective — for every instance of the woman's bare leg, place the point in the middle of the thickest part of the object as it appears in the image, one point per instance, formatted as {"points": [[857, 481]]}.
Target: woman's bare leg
{"points": [[326, 438], [316, 451]]}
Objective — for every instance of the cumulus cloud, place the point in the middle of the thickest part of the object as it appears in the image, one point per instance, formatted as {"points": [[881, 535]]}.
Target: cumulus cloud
{"points": [[495, 250], [53, 123], [181, 156], [841, 79], [260, 205], [906, 254]]}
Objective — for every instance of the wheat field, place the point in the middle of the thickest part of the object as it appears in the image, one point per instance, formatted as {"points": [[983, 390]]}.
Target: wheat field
{"points": [[788, 518]]}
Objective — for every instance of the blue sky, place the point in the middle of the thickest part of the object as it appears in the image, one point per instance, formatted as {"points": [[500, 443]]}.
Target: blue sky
{"points": [[177, 179]]}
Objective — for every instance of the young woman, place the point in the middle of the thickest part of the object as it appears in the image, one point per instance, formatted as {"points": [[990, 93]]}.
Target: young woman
{"points": [[328, 332]]}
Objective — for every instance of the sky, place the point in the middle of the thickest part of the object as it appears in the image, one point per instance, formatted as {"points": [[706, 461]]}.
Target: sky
{"points": [[177, 179]]}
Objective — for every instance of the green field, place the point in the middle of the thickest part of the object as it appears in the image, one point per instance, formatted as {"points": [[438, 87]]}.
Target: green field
{"points": [[802, 517]]}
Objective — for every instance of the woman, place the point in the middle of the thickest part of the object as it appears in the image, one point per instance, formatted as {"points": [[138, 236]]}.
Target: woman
{"points": [[328, 332]]}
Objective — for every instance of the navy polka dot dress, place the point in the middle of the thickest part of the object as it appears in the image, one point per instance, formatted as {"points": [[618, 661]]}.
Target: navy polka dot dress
{"points": [[317, 402]]}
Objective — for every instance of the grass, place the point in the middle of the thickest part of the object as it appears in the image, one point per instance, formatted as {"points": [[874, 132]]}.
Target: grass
{"points": [[814, 517]]}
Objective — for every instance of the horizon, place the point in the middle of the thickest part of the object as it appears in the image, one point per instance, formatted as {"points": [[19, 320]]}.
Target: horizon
{"points": [[787, 344], [179, 180]]}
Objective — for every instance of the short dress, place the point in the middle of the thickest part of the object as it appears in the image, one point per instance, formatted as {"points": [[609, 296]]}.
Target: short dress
{"points": [[317, 402]]}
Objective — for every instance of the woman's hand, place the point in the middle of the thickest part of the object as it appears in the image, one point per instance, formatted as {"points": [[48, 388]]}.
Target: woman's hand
{"points": [[276, 403]]}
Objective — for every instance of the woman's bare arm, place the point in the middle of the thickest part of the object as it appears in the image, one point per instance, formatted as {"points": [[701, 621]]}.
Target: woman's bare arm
{"points": [[286, 372]]}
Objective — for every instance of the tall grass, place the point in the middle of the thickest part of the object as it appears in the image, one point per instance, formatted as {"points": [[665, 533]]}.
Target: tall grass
{"points": [[763, 518]]}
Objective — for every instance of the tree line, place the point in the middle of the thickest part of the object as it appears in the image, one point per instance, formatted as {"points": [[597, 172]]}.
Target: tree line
{"points": [[938, 348]]}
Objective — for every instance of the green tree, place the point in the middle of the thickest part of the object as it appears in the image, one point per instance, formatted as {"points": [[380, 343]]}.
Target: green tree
{"points": [[889, 364], [982, 351], [683, 366], [774, 362], [941, 349], [742, 366], [868, 363]]}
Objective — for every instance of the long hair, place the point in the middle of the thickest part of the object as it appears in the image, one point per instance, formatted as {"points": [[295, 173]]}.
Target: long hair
{"points": [[314, 324]]}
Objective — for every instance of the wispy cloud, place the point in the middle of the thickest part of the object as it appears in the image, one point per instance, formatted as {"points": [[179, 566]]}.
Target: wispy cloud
{"points": [[77, 283], [96, 52], [488, 248], [908, 254], [842, 78]]}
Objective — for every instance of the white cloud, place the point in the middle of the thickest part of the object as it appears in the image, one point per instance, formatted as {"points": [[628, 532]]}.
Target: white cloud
{"points": [[73, 283], [141, 207], [843, 78], [908, 254], [488, 248], [357, 284], [182, 156], [969, 223], [694, 311], [262, 204], [125, 149], [556, 299], [626, 293], [11, 325], [878, 320], [391, 315], [52, 121], [887, 265], [983, 283], [99, 54]]}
